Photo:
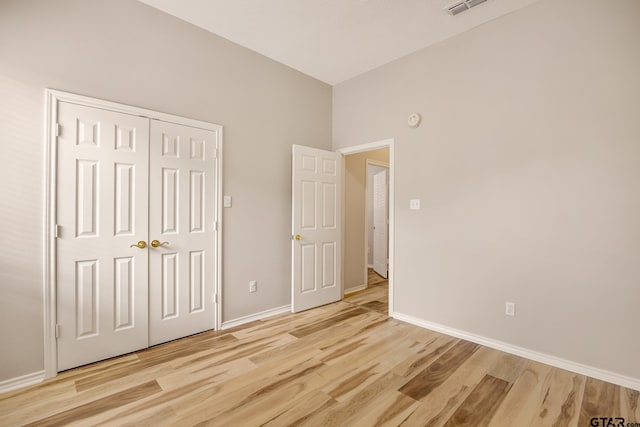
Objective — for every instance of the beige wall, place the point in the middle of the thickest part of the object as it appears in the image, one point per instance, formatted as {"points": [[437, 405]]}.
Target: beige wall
{"points": [[124, 51], [355, 189], [528, 167]]}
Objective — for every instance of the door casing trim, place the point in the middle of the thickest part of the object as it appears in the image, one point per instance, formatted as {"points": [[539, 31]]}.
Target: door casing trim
{"points": [[52, 98]]}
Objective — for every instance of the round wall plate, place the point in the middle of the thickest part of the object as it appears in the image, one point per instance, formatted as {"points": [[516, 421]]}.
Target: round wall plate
{"points": [[414, 120]]}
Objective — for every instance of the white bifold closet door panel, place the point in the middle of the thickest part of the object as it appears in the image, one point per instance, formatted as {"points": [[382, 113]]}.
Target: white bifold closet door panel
{"points": [[183, 196], [102, 209]]}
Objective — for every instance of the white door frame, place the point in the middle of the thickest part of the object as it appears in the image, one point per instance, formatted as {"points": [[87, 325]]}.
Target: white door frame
{"points": [[386, 143], [371, 162], [52, 97]]}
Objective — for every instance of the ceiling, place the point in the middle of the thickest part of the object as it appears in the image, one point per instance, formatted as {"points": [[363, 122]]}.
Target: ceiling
{"points": [[334, 40]]}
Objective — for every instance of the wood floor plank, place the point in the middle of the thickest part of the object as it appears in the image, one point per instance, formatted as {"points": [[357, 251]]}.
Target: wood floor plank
{"points": [[301, 409], [343, 364], [357, 379], [140, 417], [437, 407], [630, 404], [323, 324], [263, 405], [387, 409], [345, 413], [600, 400], [101, 405], [374, 278], [508, 368], [438, 371], [240, 391], [520, 405], [560, 405], [423, 355], [326, 340], [478, 408]]}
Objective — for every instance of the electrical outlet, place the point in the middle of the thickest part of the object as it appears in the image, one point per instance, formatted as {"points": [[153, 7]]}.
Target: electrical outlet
{"points": [[510, 308], [253, 286], [414, 204]]}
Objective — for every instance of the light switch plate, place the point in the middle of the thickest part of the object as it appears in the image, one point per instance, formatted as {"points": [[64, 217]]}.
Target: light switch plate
{"points": [[414, 204], [226, 201]]}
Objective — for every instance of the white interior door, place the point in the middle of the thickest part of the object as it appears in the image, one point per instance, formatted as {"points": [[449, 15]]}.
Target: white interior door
{"points": [[102, 210], [183, 194], [380, 224], [316, 227]]}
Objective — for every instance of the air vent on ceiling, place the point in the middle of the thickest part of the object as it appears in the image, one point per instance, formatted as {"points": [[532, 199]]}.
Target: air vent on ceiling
{"points": [[461, 6]]}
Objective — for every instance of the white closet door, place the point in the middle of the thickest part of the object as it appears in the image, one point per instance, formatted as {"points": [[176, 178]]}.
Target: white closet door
{"points": [[102, 209], [182, 218]]}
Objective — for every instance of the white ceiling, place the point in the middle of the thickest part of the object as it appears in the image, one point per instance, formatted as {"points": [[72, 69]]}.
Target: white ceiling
{"points": [[333, 40]]}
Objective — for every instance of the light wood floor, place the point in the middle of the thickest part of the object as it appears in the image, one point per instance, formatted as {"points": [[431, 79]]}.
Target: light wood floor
{"points": [[344, 364]]}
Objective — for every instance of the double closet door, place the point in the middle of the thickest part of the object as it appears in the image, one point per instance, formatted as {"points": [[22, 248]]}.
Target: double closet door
{"points": [[136, 223]]}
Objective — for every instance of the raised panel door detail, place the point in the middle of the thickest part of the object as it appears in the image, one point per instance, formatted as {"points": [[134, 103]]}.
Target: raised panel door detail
{"points": [[170, 200], [87, 298], [308, 282], [169, 285], [123, 285], [329, 167], [87, 198], [328, 264], [196, 281], [87, 133], [329, 205], [125, 139], [196, 149], [308, 211], [123, 199], [196, 201], [308, 164], [170, 146]]}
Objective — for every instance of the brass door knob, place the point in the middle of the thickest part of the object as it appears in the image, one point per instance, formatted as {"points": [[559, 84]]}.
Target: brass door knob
{"points": [[141, 244], [158, 243], [298, 237]]}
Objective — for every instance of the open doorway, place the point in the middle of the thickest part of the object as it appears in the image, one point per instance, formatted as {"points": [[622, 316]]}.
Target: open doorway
{"points": [[368, 246]]}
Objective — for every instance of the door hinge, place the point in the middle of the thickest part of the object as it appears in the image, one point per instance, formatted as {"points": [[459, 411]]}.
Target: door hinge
{"points": [[215, 298], [215, 153], [58, 129], [57, 331], [57, 231], [215, 225]]}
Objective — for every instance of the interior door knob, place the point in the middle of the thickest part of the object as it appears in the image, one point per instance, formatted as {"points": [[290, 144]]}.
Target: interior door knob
{"points": [[298, 237], [141, 244], [158, 243]]}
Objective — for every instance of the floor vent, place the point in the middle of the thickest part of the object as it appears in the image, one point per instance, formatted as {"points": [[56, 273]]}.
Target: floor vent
{"points": [[461, 6]]}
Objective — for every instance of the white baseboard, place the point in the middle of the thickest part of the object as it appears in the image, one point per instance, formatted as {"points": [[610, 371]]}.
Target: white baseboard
{"points": [[355, 289], [257, 316], [20, 382], [557, 362]]}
